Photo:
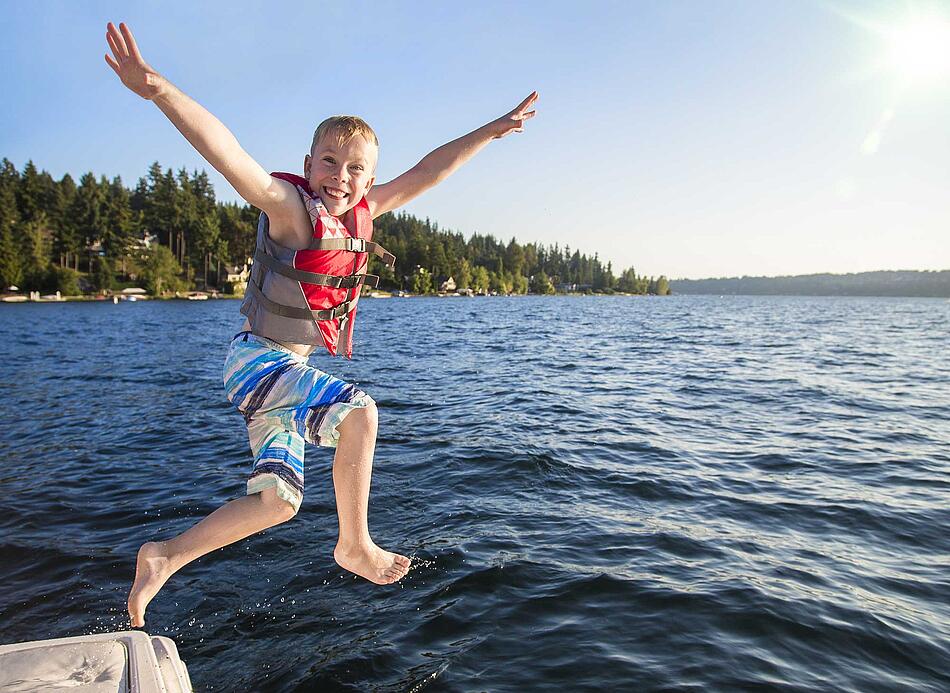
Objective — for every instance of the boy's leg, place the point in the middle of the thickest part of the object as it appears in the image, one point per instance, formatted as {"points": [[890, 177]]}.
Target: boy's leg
{"points": [[352, 471], [278, 393], [157, 561]]}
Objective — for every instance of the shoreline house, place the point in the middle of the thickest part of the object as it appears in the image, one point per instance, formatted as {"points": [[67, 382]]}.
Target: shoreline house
{"points": [[447, 286], [573, 288], [137, 246], [237, 276]]}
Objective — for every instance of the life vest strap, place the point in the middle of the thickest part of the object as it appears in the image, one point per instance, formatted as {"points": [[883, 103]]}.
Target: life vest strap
{"points": [[338, 311], [348, 281], [354, 245]]}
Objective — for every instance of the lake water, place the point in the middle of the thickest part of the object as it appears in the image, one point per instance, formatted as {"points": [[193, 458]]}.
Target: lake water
{"points": [[625, 493]]}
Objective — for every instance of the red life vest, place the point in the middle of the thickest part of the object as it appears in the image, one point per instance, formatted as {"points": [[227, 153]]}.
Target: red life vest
{"points": [[328, 276]]}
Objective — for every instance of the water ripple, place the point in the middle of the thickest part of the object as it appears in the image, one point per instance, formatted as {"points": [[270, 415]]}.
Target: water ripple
{"points": [[598, 494]]}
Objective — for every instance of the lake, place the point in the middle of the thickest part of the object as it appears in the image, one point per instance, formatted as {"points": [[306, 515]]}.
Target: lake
{"points": [[599, 493]]}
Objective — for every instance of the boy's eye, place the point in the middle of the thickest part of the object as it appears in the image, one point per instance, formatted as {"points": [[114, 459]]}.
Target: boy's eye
{"points": [[357, 167], [329, 160]]}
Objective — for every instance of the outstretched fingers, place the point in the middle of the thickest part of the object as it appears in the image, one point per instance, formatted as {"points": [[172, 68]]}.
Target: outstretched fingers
{"points": [[523, 107], [117, 47], [126, 61], [116, 43], [110, 61], [520, 114], [132, 46]]}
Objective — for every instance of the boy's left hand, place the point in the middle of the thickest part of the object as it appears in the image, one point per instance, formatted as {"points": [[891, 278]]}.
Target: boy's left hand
{"points": [[514, 120]]}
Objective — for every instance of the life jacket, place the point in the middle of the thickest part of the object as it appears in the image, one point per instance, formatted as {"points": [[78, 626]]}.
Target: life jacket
{"points": [[309, 296]]}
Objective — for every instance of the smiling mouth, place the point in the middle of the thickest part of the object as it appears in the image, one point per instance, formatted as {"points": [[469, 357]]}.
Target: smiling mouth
{"points": [[335, 194]]}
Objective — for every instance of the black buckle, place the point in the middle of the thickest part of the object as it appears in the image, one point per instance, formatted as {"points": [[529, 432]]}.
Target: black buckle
{"points": [[350, 281]]}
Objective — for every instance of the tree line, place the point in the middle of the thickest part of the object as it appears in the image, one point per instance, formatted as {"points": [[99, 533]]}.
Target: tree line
{"points": [[880, 283], [171, 234]]}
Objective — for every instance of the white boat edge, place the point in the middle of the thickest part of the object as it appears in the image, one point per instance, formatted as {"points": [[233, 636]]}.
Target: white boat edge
{"points": [[152, 663]]}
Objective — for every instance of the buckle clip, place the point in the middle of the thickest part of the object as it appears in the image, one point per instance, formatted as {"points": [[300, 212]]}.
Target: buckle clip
{"points": [[358, 245]]}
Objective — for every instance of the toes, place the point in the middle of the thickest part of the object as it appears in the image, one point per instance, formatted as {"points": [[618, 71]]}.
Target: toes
{"points": [[402, 561], [395, 573]]}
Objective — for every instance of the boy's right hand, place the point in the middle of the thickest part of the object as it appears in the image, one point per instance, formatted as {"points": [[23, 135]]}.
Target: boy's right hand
{"points": [[127, 62]]}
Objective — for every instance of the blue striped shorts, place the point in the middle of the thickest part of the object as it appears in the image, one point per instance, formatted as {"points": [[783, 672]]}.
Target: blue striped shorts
{"points": [[285, 402]]}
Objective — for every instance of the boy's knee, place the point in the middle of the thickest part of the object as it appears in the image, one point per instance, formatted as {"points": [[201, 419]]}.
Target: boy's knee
{"points": [[276, 507], [364, 420], [371, 414]]}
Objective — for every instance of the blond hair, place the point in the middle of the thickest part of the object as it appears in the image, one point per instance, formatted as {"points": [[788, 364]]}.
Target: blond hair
{"points": [[345, 128]]}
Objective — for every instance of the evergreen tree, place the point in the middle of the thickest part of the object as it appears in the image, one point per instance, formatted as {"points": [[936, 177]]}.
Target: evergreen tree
{"points": [[34, 248], [87, 212], [29, 199], [65, 233], [514, 257], [117, 223], [205, 227], [628, 282], [159, 213], [238, 229], [11, 269]]}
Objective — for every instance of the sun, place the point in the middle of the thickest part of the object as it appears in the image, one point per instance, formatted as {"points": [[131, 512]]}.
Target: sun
{"points": [[918, 49]]}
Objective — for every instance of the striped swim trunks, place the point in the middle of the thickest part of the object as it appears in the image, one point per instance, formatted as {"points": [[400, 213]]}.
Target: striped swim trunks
{"points": [[285, 402]]}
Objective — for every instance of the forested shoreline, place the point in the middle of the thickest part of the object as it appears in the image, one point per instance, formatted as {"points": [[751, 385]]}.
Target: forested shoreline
{"points": [[881, 283], [169, 233]]}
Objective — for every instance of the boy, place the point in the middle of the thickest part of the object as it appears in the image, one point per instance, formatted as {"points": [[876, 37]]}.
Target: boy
{"points": [[313, 241]]}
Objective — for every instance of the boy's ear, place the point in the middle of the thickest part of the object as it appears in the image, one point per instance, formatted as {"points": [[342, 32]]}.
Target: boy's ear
{"points": [[369, 185], [306, 166]]}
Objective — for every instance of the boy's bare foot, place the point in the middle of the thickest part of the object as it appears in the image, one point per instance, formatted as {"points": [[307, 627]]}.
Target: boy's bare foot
{"points": [[372, 563], [152, 569]]}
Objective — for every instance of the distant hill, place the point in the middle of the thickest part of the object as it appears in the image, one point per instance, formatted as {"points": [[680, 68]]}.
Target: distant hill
{"points": [[883, 283]]}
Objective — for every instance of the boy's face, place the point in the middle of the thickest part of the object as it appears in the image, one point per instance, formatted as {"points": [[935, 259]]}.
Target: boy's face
{"points": [[341, 174]]}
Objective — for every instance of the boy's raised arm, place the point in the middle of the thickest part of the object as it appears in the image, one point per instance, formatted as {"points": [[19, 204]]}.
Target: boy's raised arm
{"points": [[203, 130], [440, 163]]}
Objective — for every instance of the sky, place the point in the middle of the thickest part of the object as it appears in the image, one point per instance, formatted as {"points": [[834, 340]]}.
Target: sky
{"points": [[686, 139]]}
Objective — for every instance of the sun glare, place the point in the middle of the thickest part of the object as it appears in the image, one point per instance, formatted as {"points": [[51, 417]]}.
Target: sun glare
{"points": [[919, 49]]}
